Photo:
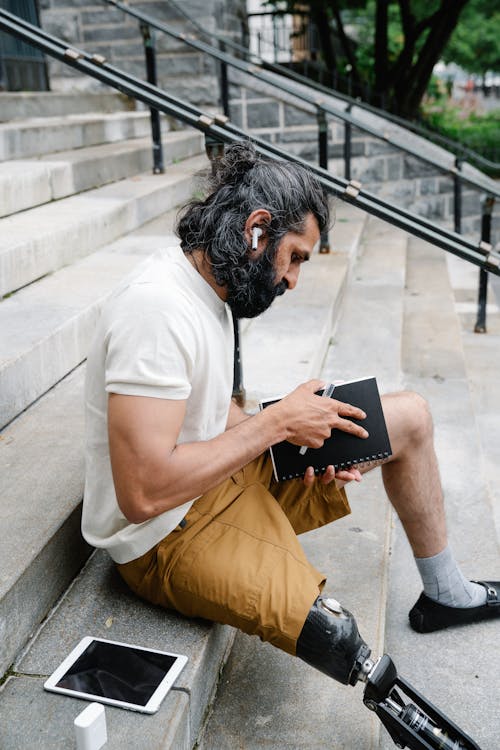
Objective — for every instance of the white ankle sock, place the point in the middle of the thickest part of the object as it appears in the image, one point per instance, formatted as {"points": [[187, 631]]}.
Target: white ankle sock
{"points": [[443, 581]]}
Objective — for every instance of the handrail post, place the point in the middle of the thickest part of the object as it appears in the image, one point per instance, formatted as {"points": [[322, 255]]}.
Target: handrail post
{"points": [[487, 203], [214, 149], [275, 40], [347, 145], [224, 84], [322, 138], [457, 196], [324, 246], [150, 54], [238, 388]]}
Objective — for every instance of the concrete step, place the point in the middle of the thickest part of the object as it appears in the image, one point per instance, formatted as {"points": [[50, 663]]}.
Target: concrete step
{"points": [[15, 105], [52, 236], [482, 365], [41, 452], [455, 379], [266, 699], [41, 462], [48, 325], [21, 139], [97, 603], [28, 183]]}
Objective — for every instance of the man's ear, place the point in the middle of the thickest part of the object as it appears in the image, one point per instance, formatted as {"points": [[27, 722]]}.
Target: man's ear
{"points": [[255, 229]]}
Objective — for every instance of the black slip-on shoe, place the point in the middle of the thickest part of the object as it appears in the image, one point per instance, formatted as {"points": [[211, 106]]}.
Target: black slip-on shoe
{"points": [[428, 615]]}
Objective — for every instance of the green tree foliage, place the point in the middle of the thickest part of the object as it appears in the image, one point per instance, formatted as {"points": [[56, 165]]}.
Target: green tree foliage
{"points": [[475, 43], [391, 44]]}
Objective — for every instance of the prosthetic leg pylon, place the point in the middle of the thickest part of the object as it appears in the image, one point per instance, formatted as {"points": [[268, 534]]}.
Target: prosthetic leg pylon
{"points": [[330, 641]]}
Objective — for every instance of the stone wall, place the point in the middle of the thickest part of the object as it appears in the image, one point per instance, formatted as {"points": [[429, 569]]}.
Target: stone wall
{"points": [[102, 29], [382, 169]]}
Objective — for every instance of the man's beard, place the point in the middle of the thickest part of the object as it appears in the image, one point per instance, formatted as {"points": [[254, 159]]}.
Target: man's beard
{"points": [[251, 286]]}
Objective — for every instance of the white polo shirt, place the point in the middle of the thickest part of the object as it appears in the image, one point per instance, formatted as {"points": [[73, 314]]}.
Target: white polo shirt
{"points": [[165, 334]]}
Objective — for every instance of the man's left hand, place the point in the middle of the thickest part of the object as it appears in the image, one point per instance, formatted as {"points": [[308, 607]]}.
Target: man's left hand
{"points": [[343, 477]]}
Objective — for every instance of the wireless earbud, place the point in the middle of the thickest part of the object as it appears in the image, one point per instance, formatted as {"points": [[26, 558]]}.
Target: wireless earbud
{"points": [[256, 233]]}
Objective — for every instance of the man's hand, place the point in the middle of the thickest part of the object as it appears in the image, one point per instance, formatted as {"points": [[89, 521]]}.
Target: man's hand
{"points": [[309, 419], [342, 477]]}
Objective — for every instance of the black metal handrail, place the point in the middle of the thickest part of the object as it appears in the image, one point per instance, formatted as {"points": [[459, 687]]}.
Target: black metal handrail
{"points": [[320, 105], [454, 146], [354, 187], [218, 130]]}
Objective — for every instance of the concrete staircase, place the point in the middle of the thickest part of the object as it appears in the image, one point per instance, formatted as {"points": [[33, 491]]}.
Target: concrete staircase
{"points": [[368, 307], [75, 223]]}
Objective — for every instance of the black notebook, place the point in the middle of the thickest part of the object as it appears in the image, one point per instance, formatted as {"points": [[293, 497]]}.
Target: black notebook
{"points": [[341, 449]]}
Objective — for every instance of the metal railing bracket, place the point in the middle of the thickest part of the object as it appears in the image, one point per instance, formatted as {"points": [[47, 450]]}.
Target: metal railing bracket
{"points": [[73, 54], [485, 247], [352, 189], [206, 121], [493, 260]]}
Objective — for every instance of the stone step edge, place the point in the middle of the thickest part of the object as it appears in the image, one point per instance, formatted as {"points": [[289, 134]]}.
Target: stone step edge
{"points": [[73, 131], [36, 182], [101, 216], [44, 509], [25, 375], [19, 105], [34, 363]]}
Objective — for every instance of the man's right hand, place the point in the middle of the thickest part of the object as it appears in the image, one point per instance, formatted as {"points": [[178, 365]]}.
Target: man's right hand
{"points": [[309, 418]]}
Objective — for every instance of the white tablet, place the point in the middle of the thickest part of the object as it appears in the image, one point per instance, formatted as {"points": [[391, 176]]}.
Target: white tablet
{"points": [[120, 674]]}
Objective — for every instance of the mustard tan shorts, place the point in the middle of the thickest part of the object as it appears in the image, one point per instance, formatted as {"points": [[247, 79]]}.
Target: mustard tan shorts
{"points": [[237, 560]]}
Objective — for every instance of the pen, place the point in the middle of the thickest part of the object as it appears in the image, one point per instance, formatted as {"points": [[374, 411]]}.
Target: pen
{"points": [[329, 389]]}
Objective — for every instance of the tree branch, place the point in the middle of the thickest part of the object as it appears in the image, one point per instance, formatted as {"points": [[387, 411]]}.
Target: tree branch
{"points": [[411, 87], [344, 40], [381, 44], [426, 23], [407, 18]]}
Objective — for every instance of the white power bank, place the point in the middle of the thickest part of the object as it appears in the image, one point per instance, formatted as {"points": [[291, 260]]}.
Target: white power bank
{"points": [[90, 728]]}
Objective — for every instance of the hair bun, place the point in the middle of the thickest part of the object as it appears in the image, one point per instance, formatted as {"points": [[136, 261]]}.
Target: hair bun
{"points": [[237, 161]]}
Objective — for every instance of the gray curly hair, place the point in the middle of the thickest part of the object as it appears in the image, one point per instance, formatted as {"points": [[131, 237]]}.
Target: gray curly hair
{"points": [[242, 182]]}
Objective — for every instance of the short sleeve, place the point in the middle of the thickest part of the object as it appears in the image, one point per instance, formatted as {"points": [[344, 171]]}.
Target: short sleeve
{"points": [[151, 353]]}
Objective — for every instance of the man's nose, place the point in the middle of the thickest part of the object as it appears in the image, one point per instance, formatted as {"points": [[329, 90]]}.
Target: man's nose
{"points": [[292, 276]]}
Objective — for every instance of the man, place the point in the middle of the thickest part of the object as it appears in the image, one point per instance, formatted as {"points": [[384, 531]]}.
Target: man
{"points": [[179, 485]]}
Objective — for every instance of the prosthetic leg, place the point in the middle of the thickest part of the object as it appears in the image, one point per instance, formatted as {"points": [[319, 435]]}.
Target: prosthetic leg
{"points": [[330, 641]]}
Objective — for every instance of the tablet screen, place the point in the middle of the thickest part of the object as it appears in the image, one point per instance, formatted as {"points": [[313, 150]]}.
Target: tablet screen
{"points": [[117, 672]]}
